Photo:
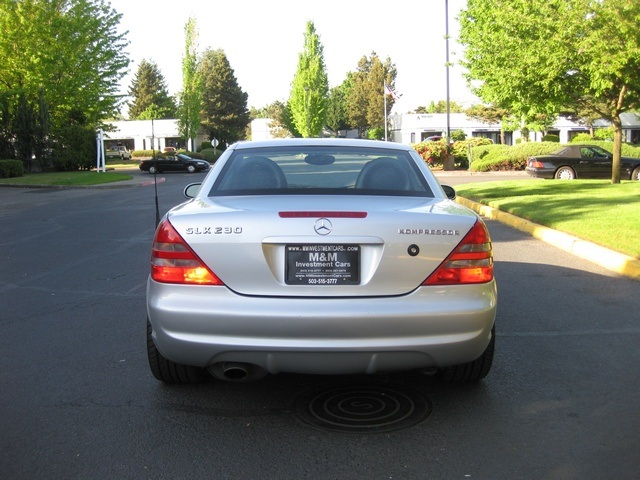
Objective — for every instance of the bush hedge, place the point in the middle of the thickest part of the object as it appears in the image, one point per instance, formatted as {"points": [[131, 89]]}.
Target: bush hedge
{"points": [[504, 158], [210, 154], [11, 168], [582, 138], [434, 153]]}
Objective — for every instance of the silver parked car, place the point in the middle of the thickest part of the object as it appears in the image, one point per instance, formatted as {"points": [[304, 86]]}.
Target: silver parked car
{"points": [[322, 256]]}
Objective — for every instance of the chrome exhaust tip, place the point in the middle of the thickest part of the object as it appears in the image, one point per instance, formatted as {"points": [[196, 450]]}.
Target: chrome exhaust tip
{"points": [[237, 371]]}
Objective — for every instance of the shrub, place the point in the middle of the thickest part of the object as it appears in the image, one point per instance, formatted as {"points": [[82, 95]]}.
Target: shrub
{"points": [[433, 153], [11, 168], [142, 153], [460, 150], [512, 158], [210, 154], [582, 138], [458, 135], [603, 134], [75, 148], [551, 138], [481, 151]]}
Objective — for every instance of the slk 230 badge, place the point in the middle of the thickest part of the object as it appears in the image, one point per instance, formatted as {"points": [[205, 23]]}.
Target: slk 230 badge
{"points": [[213, 230]]}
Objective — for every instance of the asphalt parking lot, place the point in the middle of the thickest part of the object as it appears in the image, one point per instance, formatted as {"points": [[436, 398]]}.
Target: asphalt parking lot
{"points": [[78, 400]]}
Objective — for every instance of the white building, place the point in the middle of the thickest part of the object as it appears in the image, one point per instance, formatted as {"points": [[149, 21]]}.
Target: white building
{"points": [[407, 128], [414, 128], [147, 135]]}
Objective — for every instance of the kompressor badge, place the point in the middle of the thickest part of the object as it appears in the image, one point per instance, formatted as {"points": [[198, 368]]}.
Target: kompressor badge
{"points": [[428, 231]]}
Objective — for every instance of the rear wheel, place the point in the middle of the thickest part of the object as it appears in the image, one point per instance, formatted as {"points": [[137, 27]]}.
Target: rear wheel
{"points": [[191, 169], [565, 173], [636, 174], [471, 371], [153, 169], [166, 370]]}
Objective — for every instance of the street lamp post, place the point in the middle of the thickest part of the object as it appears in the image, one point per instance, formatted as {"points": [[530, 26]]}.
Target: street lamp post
{"points": [[446, 14], [448, 161]]}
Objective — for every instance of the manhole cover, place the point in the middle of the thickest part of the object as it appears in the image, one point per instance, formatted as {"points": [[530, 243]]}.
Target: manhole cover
{"points": [[362, 408]]}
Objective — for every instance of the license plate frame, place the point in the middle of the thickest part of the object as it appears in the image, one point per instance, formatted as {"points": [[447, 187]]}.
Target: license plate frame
{"points": [[322, 264]]}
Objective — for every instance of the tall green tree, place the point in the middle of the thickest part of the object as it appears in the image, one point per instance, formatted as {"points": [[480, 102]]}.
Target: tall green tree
{"points": [[337, 118], [224, 105], [150, 97], [365, 99], [538, 58], [67, 56], [191, 94], [310, 87]]}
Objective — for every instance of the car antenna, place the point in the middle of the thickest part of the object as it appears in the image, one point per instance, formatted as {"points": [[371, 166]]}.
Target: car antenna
{"points": [[155, 173]]}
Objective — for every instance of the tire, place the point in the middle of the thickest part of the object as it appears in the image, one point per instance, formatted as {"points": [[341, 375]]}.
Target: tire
{"points": [[167, 371], [472, 371], [565, 173], [153, 169], [636, 174], [191, 168]]}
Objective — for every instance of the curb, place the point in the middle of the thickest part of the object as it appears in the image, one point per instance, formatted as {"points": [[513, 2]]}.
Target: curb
{"points": [[609, 259], [100, 186]]}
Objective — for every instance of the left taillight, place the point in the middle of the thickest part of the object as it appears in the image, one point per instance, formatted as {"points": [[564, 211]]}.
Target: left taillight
{"points": [[535, 163], [173, 261], [470, 262]]}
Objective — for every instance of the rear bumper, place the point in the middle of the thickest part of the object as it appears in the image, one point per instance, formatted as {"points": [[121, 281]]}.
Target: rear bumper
{"points": [[430, 327], [540, 173]]}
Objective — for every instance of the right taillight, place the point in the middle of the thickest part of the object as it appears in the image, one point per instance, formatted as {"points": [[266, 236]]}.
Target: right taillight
{"points": [[172, 261], [470, 262]]}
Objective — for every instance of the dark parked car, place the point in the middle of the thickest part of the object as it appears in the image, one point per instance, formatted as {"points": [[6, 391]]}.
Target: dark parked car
{"points": [[581, 161], [176, 163]]}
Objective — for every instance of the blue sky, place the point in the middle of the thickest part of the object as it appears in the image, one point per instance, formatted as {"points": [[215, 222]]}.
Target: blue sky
{"points": [[262, 40]]}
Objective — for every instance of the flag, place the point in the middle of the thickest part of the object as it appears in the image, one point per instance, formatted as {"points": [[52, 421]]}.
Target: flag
{"points": [[388, 91]]}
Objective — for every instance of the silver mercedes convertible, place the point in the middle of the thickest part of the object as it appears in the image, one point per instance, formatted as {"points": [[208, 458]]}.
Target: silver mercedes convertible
{"points": [[320, 256]]}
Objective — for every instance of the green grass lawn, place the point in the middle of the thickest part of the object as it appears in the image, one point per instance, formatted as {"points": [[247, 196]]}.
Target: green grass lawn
{"points": [[593, 210], [85, 178]]}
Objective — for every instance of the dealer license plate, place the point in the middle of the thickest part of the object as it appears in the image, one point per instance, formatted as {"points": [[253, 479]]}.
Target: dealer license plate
{"points": [[323, 264]]}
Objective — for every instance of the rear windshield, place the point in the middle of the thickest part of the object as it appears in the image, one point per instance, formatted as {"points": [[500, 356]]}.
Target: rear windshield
{"points": [[320, 170]]}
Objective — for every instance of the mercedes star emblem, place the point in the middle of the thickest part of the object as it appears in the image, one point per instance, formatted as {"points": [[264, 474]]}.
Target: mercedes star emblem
{"points": [[323, 226]]}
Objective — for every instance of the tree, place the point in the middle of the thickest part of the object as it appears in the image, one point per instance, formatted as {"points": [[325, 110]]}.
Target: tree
{"points": [[224, 104], [149, 93], [539, 58], [310, 87], [609, 61], [337, 118], [191, 95], [66, 56], [365, 98], [25, 129], [7, 144], [440, 107], [281, 125], [490, 115]]}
